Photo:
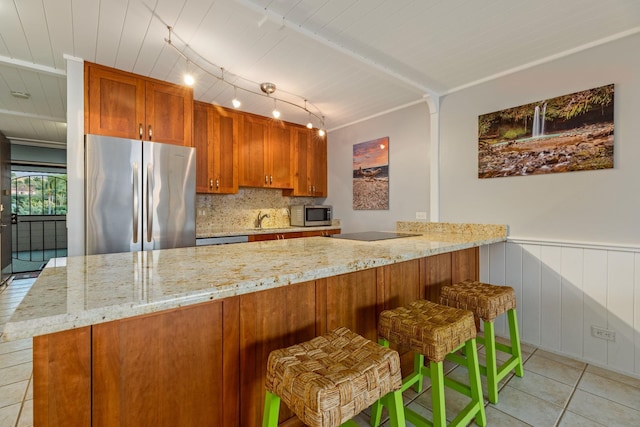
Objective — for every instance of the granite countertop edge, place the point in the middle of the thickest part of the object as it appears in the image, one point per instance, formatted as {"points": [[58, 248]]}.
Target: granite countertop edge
{"points": [[28, 320]]}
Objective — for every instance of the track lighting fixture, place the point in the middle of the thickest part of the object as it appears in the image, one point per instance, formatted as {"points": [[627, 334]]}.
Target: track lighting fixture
{"points": [[235, 101], [266, 88]]}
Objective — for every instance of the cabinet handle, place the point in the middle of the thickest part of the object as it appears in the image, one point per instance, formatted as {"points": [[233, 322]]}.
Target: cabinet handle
{"points": [[140, 130], [270, 179], [211, 183], [150, 133], [217, 183], [266, 179], [313, 189]]}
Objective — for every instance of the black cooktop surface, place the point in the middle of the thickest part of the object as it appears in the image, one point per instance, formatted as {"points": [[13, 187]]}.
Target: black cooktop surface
{"points": [[370, 236]]}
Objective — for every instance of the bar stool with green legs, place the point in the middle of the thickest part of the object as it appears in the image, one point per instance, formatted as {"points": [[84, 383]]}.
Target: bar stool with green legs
{"points": [[488, 302], [432, 330], [330, 379]]}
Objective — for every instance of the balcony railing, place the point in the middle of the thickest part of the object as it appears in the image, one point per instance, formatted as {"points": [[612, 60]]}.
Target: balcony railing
{"points": [[36, 239]]}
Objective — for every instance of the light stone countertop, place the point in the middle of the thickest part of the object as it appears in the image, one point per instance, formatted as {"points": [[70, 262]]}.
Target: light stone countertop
{"points": [[80, 291]]}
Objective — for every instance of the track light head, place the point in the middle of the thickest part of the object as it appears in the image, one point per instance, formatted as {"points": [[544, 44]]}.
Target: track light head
{"points": [[268, 88]]}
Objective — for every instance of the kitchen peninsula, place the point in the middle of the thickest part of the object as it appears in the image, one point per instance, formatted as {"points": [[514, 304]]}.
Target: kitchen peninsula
{"points": [[181, 336]]}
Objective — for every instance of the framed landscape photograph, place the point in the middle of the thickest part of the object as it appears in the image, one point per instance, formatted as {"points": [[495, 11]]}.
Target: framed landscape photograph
{"points": [[571, 132], [371, 175]]}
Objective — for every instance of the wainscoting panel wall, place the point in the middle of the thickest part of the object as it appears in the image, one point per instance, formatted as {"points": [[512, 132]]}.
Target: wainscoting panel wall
{"points": [[568, 292]]}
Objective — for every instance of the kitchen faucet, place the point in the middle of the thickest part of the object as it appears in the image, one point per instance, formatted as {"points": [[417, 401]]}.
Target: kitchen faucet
{"points": [[260, 218]]}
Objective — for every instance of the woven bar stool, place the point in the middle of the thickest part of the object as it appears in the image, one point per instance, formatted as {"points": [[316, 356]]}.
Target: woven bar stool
{"points": [[330, 379], [432, 330], [488, 302]]}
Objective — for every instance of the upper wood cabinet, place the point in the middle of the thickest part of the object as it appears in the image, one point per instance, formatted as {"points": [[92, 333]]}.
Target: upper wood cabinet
{"points": [[127, 105], [265, 153], [309, 163], [215, 136]]}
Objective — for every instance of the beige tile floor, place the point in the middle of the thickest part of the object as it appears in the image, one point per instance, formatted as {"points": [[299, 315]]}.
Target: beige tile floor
{"points": [[555, 390]]}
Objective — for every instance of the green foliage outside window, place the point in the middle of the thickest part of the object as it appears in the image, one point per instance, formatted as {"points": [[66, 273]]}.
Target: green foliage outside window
{"points": [[43, 194]]}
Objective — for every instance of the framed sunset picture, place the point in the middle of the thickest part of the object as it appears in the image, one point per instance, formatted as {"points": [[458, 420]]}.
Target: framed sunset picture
{"points": [[371, 175]]}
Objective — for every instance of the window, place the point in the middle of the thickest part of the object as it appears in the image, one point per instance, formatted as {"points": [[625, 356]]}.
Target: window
{"points": [[38, 193]]}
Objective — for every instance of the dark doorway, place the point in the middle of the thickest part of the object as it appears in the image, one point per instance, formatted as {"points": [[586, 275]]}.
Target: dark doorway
{"points": [[5, 208]]}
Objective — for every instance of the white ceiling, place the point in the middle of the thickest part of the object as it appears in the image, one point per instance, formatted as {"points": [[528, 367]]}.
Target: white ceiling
{"points": [[351, 59]]}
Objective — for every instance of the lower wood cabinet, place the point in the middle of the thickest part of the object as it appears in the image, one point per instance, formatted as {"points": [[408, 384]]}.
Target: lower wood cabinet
{"points": [[205, 365], [174, 368], [292, 235]]}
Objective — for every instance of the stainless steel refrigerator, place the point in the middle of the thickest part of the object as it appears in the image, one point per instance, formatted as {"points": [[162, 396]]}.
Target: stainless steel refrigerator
{"points": [[139, 195]]}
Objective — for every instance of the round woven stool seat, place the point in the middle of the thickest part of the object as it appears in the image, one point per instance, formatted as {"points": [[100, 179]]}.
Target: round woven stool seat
{"points": [[427, 328], [484, 300], [434, 331], [331, 378], [487, 302]]}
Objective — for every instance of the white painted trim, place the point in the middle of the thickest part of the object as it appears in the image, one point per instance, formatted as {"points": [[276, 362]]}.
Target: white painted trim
{"points": [[434, 166], [43, 69], [75, 156], [32, 116], [574, 244], [38, 143]]}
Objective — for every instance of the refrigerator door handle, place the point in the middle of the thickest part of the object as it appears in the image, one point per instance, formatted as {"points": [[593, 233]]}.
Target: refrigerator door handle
{"points": [[135, 202], [149, 203]]}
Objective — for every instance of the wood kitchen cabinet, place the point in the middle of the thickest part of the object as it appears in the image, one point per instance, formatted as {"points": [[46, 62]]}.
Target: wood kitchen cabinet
{"points": [[127, 105], [174, 368], [292, 235], [215, 136], [309, 163], [265, 153]]}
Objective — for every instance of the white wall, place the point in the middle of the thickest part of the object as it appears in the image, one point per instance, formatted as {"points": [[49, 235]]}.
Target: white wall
{"points": [[408, 131], [595, 206], [574, 248], [75, 156]]}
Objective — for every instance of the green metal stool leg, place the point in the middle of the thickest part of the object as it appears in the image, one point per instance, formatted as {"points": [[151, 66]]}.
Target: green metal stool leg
{"points": [[475, 384], [418, 363], [271, 410], [437, 394], [490, 353], [515, 340], [396, 409]]}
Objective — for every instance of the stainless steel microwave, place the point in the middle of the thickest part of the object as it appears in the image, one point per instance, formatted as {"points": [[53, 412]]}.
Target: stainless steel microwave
{"points": [[310, 215]]}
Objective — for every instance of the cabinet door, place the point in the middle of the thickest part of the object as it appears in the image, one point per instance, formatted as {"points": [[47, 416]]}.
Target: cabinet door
{"points": [[225, 150], [115, 103], [301, 174], [279, 155], [318, 165], [202, 139], [254, 134], [169, 113], [269, 320], [172, 368]]}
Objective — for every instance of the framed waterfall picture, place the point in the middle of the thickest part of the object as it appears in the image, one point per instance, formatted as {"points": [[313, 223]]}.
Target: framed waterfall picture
{"points": [[371, 175], [571, 132]]}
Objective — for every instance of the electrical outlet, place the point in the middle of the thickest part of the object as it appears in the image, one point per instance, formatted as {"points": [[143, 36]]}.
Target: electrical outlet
{"points": [[421, 215], [602, 333]]}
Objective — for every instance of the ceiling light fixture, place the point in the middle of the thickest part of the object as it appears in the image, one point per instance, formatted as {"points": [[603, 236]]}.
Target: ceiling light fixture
{"points": [[275, 112], [309, 124], [235, 101], [321, 131], [21, 95], [266, 88]]}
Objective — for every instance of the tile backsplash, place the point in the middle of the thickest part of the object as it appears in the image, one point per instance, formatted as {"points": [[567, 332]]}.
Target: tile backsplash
{"points": [[229, 212]]}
